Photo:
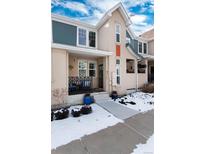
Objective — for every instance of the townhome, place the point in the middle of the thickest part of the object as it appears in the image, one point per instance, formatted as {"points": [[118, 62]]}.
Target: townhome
{"points": [[102, 58]]}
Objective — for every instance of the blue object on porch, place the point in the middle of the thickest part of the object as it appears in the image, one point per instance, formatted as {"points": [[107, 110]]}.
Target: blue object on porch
{"points": [[87, 100]]}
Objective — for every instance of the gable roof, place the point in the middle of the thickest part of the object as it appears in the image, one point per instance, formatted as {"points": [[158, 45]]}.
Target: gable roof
{"points": [[108, 15], [148, 35]]}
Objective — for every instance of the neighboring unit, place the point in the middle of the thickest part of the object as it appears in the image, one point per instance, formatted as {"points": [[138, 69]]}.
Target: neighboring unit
{"points": [[103, 58]]}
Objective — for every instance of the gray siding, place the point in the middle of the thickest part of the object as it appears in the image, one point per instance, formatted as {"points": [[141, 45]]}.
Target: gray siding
{"points": [[64, 33], [133, 43]]}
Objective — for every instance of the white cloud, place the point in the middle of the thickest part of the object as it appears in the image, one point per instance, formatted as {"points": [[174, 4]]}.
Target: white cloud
{"points": [[102, 5], [138, 19], [99, 7], [131, 3], [140, 29], [75, 6]]}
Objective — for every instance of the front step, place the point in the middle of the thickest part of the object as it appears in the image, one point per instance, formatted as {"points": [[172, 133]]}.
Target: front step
{"points": [[101, 96], [78, 99]]}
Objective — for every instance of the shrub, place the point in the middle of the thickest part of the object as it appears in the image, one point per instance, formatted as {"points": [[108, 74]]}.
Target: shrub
{"points": [[148, 88], [61, 114], [76, 112], [114, 95], [86, 109]]}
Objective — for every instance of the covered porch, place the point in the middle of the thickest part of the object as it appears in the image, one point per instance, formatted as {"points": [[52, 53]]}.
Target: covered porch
{"points": [[79, 69], [86, 74]]}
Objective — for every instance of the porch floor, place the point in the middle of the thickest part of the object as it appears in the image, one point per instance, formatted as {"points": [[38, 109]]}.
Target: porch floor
{"points": [[86, 91]]}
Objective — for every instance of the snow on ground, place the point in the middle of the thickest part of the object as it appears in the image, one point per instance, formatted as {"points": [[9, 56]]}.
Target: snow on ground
{"points": [[69, 129], [147, 148], [141, 99]]}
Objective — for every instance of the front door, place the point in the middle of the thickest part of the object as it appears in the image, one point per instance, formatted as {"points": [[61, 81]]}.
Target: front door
{"points": [[152, 73], [100, 75]]}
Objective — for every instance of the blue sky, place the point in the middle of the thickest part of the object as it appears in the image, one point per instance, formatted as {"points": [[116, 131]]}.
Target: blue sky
{"points": [[91, 11]]}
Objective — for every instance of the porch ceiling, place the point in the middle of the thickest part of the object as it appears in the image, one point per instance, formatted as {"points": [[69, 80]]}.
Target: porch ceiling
{"points": [[82, 50]]}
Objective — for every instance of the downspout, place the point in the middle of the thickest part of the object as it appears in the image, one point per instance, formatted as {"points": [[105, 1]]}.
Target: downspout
{"points": [[137, 74]]}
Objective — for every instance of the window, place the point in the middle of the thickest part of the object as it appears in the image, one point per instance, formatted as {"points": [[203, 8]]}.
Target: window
{"points": [[145, 48], [118, 71], [130, 64], [82, 68], [140, 47], [87, 68], [81, 36], [142, 67], [92, 69], [117, 33], [92, 39]]}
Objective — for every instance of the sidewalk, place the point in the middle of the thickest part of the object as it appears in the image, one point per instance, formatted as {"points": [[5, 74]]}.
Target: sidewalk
{"points": [[119, 111], [118, 139]]}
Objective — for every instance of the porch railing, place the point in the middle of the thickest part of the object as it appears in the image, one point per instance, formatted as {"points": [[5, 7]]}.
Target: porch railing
{"points": [[79, 84]]}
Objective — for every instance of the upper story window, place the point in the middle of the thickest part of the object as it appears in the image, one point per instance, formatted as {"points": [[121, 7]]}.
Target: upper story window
{"points": [[92, 39], [145, 48], [117, 32], [140, 47], [82, 36], [86, 38]]}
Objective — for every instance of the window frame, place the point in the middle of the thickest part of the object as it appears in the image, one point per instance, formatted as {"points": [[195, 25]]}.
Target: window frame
{"points": [[142, 47], [146, 48], [139, 47], [78, 28], [88, 67], [117, 24], [117, 66], [133, 61], [82, 69], [95, 69], [89, 39], [88, 30]]}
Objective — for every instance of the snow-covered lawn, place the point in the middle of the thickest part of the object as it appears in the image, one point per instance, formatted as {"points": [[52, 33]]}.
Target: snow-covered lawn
{"points": [[147, 148], [69, 129], [144, 101]]}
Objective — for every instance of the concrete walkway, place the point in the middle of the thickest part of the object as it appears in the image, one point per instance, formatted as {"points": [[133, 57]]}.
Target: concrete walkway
{"points": [[119, 139], [119, 111]]}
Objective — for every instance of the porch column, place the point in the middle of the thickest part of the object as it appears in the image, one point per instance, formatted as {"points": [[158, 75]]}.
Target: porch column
{"points": [[59, 68], [106, 74]]}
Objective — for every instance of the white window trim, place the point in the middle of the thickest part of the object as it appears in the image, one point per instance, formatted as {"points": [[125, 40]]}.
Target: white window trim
{"points": [[142, 48], [139, 47], [117, 66], [95, 39], [87, 37], [117, 32], [78, 37], [94, 62], [87, 67]]}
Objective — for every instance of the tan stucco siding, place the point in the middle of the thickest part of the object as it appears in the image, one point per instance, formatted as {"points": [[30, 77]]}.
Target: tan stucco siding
{"points": [[107, 42], [59, 71], [59, 68], [151, 47]]}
